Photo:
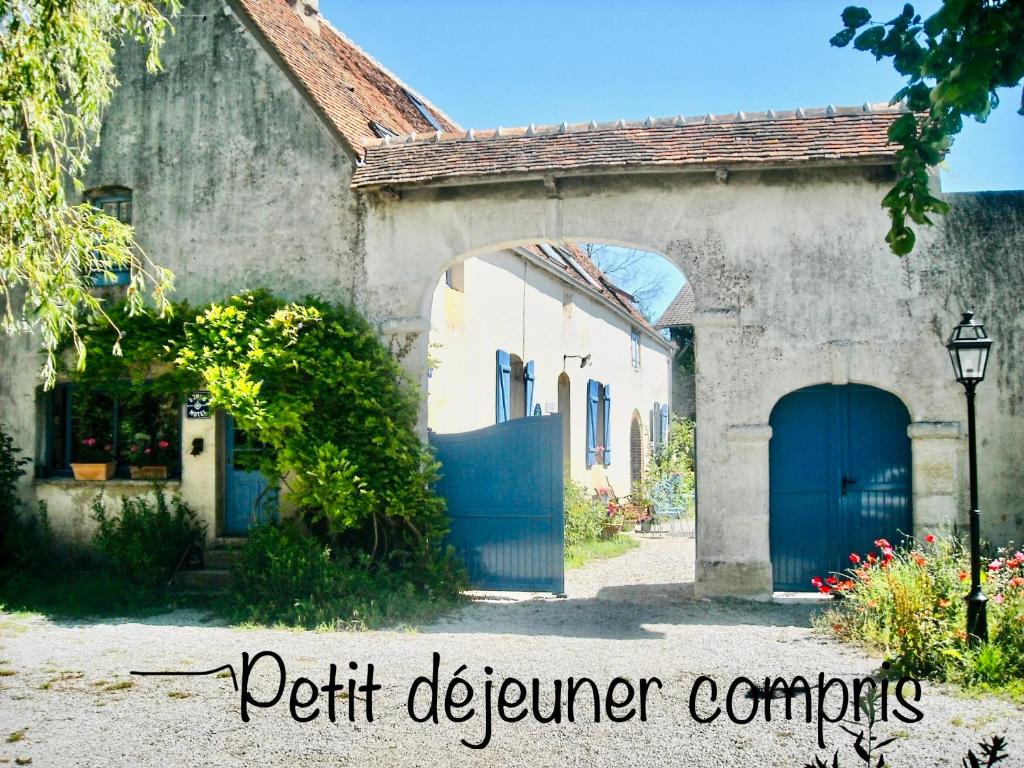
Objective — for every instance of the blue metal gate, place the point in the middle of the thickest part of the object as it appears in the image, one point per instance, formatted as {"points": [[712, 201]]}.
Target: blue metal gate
{"points": [[503, 487], [840, 479]]}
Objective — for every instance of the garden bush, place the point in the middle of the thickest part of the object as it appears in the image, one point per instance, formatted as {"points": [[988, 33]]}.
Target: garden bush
{"points": [[285, 576], [336, 413], [25, 540], [148, 539], [584, 515], [908, 601], [672, 459]]}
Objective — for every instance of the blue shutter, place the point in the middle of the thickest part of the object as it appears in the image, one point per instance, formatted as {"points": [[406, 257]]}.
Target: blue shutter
{"points": [[528, 378], [591, 422], [656, 424], [664, 422], [503, 382], [607, 424]]}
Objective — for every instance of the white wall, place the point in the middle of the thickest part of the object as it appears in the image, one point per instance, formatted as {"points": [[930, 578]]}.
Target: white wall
{"points": [[510, 304]]}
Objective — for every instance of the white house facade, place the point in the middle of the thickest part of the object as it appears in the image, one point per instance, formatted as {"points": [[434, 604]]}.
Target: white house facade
{"points": [[539, 330]]}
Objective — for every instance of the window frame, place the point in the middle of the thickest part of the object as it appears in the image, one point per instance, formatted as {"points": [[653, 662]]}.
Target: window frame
{"points": [[422, 109], [66, 389], [634, 348], [97, 199]]}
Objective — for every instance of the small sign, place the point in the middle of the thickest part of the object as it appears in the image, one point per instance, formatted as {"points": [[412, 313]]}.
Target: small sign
{"points": [[197, 405]]}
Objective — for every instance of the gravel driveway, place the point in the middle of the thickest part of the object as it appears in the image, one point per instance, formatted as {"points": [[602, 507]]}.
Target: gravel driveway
{"points": [[67, 691]]}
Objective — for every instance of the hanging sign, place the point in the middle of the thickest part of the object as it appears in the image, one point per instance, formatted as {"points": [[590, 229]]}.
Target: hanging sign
{"points": [[197, 405]]}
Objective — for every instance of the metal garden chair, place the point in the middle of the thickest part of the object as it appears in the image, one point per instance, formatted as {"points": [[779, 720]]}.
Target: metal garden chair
{"points": [[671, 504]]}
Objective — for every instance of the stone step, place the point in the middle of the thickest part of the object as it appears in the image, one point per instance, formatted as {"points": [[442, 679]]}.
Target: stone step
{"points": [[229, 542], [206, 580], [221, 559]]}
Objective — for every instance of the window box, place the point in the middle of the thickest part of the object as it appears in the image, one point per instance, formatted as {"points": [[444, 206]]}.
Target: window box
{"points": [[152, 472], [91, 471]]}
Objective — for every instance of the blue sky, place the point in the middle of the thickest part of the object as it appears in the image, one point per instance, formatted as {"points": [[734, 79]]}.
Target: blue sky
{"points": [[512, 63]]}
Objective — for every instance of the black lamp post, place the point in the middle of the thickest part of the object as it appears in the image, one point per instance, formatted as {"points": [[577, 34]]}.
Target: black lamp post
{"points": [[968, 347]]}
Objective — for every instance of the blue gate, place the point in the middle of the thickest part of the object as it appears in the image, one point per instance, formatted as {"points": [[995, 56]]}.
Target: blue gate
{"points": [[503, 487], [840, 479], [248, 500]]}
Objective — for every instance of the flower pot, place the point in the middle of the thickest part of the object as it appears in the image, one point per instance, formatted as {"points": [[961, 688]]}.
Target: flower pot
{"points": [[645, 526], [155, 472], [608, 530], [91, 471]]}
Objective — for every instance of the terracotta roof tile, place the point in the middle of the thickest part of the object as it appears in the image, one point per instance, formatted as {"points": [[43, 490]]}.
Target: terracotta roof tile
{"points": [[345, 83], [600, 281], [679, 311], [821, 136]]}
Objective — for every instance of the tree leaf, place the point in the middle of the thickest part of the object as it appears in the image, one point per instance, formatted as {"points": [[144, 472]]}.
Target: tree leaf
{"points": [[869, 39], [855, 16]]}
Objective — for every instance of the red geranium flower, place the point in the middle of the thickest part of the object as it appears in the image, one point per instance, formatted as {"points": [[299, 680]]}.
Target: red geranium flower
{"points": [[817, 582], [825, 589], [832, 580], [930, 538], [883, 544], [854, 558]]}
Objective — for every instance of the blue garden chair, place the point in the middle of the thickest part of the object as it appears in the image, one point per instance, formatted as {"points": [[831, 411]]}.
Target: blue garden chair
{"points": [[671, 504]]}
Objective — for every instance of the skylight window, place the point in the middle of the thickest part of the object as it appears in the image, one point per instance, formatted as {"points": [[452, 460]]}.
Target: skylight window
{"points": [[380, 131], [422, 108]]}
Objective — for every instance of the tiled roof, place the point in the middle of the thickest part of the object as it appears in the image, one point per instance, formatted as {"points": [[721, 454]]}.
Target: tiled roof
{"points": [[680, 311], [349, 87], [745, 140], [598, 281]]}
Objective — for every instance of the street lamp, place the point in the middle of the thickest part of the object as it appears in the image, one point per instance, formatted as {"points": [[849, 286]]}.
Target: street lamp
{"points": [[968, 347]]}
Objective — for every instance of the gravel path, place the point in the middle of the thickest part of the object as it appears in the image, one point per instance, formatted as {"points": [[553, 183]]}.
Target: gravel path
{"points": [[73, 701]]}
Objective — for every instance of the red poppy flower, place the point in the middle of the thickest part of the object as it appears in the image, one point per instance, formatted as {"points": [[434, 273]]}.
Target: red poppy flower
{"points": [[930, 538], [825, 589], [883, 544], [832, 580], [854, 558], [817, 582]]}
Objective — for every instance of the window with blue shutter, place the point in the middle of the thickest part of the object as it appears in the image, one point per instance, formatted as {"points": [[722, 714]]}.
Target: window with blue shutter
{"points": [[528, 378], [664, 422], [607, 398], [592, 397], [502, 386]]}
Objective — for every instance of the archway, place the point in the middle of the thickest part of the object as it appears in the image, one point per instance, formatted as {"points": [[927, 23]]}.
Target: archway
{"points": [[839, 479]]}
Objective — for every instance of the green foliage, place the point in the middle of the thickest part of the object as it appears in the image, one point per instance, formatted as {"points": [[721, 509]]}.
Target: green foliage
{"points": [[673, 460], [584, 516], [338, 418], [144, 544], [25, 540], [286, 577], [56, 78], [910, 603], [954, 61]]}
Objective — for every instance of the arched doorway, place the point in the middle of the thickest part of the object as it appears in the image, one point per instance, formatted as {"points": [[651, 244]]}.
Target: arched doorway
{"points": [[565, 409], [839, 467], [636, 452]]}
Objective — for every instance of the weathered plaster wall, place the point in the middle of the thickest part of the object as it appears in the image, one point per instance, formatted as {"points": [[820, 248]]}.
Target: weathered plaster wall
{"points": [[236, 184], [794, 286], [510, 304]]}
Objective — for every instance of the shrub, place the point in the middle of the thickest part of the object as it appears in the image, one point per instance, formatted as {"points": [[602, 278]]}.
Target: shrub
{"points": [[285, 576], [673, 460], [909, 602], [312, 382], [25, 540], [584, 516], [144, 544]]}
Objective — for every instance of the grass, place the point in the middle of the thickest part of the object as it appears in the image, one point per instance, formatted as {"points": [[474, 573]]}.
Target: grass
{"points": [[87, 593], [121, 686], [16, 736], [599, 549]]}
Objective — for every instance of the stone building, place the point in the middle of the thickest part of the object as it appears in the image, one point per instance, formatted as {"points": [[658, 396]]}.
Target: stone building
{"points": [[677, 319], [273, 152]]}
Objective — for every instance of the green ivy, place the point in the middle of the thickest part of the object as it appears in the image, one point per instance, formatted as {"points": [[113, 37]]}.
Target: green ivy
{"points": [[338, 417]]}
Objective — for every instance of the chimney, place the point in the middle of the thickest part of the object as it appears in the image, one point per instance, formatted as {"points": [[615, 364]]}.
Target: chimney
{"points": [[309, 12]]}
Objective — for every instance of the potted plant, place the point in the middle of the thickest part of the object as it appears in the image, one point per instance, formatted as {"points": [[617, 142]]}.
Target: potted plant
{"points": [[148, 459], [94, 460], [613, 522]]}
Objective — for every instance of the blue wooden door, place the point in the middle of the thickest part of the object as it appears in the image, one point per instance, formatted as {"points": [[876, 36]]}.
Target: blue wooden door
{"points": [[840, 479], [248, 498], [503, 488]]}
